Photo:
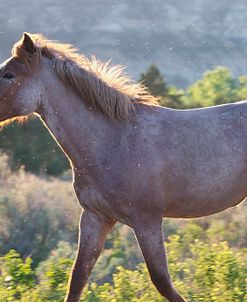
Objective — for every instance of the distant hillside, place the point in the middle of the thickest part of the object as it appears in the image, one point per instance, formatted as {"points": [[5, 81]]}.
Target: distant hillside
{"points": [[182, 37]]}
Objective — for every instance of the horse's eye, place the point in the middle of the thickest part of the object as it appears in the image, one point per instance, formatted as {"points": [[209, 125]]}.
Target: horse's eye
{"points": [[8, 76]]}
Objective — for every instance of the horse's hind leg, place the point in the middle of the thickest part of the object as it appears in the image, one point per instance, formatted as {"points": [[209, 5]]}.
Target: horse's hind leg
{"points": [[150, 239], [93, 231]]}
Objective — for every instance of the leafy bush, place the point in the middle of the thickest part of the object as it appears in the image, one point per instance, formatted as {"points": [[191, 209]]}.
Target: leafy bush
{"points": [[211, 272], [16, 276], [35, 213]]}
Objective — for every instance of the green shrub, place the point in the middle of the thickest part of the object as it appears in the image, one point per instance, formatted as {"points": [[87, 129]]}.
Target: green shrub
{"points": [[208, 272]]}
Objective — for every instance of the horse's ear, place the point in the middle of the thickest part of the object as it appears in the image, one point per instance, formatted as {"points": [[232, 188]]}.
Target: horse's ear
{"points": [[27, 44]]}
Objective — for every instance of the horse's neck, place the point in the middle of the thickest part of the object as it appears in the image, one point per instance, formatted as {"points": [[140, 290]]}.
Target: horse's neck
{"points": [[75, 126]]}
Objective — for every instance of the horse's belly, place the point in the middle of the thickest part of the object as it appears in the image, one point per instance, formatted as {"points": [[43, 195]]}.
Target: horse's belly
{"points": [[199, 211], [205, 203]]}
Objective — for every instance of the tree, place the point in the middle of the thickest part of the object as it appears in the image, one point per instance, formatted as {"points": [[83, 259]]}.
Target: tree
{"points": [[173, 98], [154, 81], [242, 89], [170, 96], [216, 87]]}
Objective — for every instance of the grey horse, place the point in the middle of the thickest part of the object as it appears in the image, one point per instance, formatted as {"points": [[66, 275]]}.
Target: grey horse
{"points": [[133, 161]]}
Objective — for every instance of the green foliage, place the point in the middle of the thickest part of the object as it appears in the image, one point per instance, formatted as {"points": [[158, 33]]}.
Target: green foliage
{"points": [[63, 250], [53, 284], [209, 272], [33, 235], [154, 81], [120, 250], [173, 98], [16, 276], [242, 89], [31, 145], [35, 213], [169, 96], [216, 87]]}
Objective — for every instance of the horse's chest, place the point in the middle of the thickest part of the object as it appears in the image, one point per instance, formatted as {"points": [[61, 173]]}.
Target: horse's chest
{"points": [[87, 195], [90, 198]]}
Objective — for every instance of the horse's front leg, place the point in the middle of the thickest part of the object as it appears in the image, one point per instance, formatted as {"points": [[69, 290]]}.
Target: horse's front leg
{"points": [[93, 230], [150, 238]]}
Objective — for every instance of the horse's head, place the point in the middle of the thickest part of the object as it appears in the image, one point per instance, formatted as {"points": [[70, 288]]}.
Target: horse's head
{"points": [[37, 65], [20, 81]]}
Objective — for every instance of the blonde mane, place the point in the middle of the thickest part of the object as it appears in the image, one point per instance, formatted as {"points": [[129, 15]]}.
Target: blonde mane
{"points": [[100, 84]]}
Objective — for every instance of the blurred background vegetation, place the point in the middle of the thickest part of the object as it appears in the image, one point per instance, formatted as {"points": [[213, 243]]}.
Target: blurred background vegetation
{"points": [[39, 215]]}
